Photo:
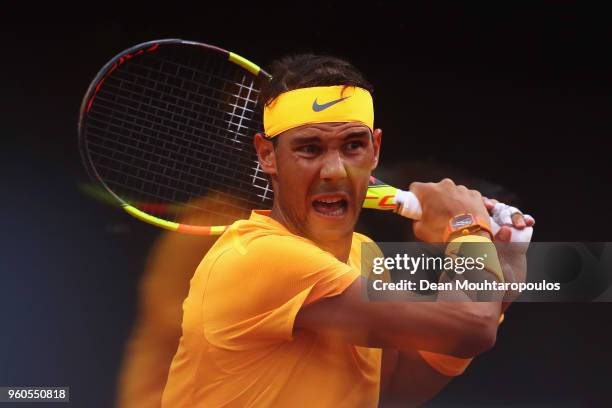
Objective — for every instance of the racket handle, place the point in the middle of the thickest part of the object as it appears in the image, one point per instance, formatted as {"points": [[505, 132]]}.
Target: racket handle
{"points": [[408, 205]]}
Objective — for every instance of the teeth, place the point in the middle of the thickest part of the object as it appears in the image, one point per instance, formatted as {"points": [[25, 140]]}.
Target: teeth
{"points": [[330, 200]]}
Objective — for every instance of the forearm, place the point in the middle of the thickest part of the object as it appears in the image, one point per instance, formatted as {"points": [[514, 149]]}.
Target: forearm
{"points": [[462, 329], [409, 380], [490, 312], [485, 307], [485, 303], [413, 377]]}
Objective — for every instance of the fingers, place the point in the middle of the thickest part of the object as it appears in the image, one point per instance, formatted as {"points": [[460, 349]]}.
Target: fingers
{"points": [[421, 232], [489, 203], [504, 234], [507, 215], [441, 202], [417, 229], [417, 188], [462, 188], [521, 221], [518, 221], [529, 220]]}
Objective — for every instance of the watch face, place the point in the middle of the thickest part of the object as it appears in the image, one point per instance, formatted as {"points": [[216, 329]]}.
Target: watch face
{"points": [[463, 220]]}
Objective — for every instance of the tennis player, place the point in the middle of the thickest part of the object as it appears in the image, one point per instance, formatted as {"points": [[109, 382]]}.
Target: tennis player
{"points": [[275, 314]]}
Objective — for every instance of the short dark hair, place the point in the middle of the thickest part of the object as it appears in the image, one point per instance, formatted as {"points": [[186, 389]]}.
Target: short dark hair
{"points": [[308, 70]]}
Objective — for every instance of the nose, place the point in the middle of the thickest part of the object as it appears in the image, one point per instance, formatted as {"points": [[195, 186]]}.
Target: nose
{"points": [[333, 166]]}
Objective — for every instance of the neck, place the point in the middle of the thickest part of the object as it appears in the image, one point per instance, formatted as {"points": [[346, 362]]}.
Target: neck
{"points": [[340, 248]]}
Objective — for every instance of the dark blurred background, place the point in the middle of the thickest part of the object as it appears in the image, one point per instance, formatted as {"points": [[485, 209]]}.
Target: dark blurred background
{"points": [[512, 99]]}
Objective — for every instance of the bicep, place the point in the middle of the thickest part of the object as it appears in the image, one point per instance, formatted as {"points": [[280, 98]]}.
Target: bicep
{"points": [[340, 315], [348, 315]]}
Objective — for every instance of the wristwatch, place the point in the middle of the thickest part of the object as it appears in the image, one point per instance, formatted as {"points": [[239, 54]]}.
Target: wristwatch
{"points": [[465, 224]]}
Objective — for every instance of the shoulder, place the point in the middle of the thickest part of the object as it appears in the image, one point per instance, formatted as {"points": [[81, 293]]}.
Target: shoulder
{"points": [[364, 250], [289, 252], [250, 247], [363, 243], [358, 237]]}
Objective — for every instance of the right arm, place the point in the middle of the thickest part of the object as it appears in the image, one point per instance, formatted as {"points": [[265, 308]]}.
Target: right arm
{"points": [[462, 329]]}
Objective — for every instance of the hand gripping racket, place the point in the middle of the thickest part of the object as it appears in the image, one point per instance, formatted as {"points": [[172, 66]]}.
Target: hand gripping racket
{"points": [[166, 128]]}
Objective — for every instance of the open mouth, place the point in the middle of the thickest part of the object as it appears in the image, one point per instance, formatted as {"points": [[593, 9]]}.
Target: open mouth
{"points": [[331, 206]]}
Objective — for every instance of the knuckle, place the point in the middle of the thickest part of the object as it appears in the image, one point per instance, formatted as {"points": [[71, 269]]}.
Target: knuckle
{"points": [[415, 186], [421, 187]]}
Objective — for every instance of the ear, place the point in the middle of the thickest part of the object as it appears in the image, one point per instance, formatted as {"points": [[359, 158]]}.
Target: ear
{"points": [[376, 141], [265, 153]]}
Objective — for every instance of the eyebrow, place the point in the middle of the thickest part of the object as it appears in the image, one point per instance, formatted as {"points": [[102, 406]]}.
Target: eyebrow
{"points": [[356, 134], [298, 140]]}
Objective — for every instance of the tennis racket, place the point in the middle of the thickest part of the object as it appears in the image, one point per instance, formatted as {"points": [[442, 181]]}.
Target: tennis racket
{"points": [[166, 128]]}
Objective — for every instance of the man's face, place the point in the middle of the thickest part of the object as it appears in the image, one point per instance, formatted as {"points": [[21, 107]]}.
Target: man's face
{"points": [[321, 174]]}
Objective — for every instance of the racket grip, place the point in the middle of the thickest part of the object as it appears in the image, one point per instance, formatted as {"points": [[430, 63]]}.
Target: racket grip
{"points": [[408, 205]]}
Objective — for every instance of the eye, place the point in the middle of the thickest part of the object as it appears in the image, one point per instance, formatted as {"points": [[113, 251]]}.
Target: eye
{"points": [[309, 150], [354, 145]]}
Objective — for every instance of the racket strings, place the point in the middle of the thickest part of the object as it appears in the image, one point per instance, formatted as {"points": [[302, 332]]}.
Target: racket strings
{"points": [[165, 132], [160, 115], [162, 192], [166, 159]]}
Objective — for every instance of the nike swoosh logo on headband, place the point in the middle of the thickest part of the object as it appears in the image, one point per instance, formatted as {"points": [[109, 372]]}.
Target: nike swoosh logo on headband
{"points": [[318, 108]]}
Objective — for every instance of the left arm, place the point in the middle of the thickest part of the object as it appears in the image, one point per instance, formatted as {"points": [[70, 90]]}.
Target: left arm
{"points": [[406, 378]]}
